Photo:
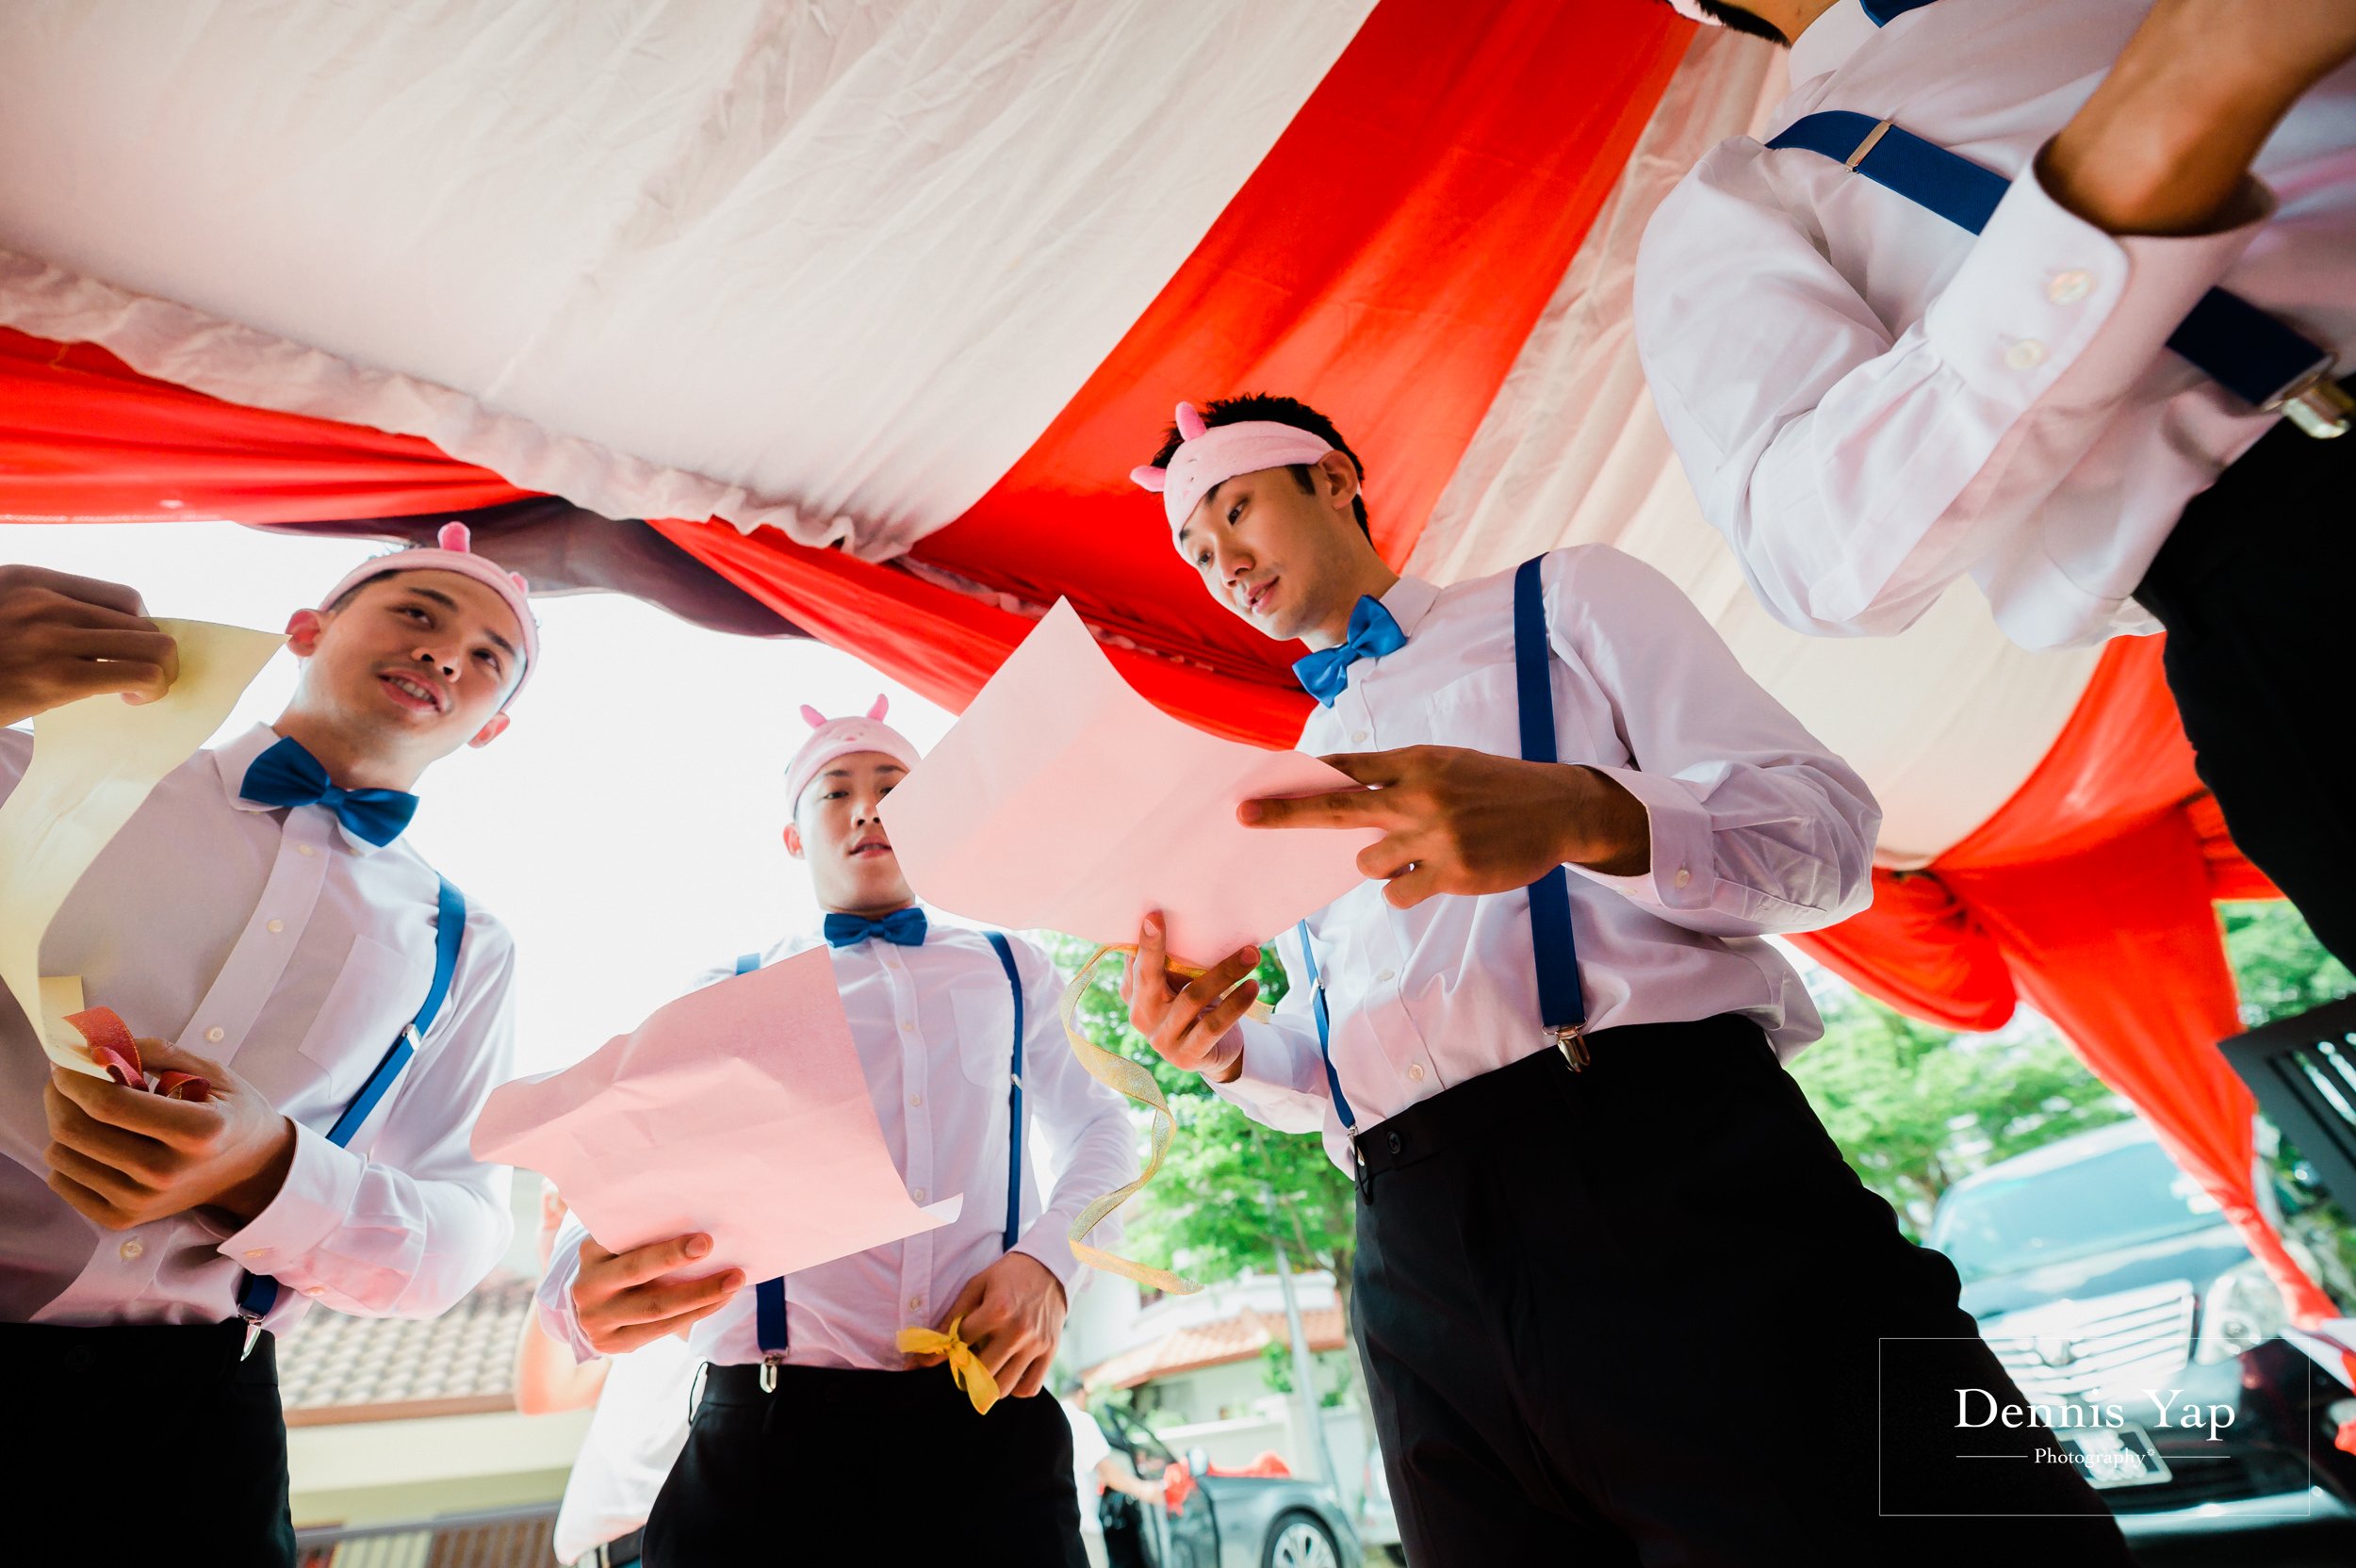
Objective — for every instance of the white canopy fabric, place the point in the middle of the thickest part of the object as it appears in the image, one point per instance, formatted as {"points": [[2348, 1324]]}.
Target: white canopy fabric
{"points": [[830, 265], [833, 267]]}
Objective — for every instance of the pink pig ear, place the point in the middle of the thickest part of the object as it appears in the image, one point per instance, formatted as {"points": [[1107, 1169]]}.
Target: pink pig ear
{"points": [[454, 536], [1156, 480], [882, 702], [1190, 425], [815, 718]]}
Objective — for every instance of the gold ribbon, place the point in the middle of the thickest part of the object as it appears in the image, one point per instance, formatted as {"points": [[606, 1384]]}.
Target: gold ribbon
{"points": [[964, 1366], [1133, 1081]]}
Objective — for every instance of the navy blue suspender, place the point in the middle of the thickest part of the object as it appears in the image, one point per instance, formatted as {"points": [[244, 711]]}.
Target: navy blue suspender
{"points": [[1014, 1095], [769, 1296], [258, 1293], [1562, 1005], [2249, 353]]}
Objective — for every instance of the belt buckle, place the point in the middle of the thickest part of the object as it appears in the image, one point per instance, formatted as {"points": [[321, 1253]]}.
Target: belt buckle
{"points": [[2316, 403], [1570, 1039]]}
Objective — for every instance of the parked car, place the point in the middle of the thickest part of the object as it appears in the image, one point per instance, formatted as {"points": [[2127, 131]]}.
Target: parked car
{"points": [[1377, 1519], [1212, 1520], [2098, 1271]]}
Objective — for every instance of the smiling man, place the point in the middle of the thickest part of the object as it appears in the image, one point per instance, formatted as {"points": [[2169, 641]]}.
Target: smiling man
{"points": [[1608, 1265], [801, 1444], [261, 917]]}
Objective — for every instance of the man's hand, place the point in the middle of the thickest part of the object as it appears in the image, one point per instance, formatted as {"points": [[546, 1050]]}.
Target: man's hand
{"points": [[1013, 1312], [1190, 1023], [626, 1299], [2165, 144], [1465, 821], [123, 1157], [63, 637]]}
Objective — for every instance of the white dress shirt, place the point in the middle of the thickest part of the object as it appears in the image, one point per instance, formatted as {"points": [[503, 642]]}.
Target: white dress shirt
{"points": [[934, 1027], [272, 940], [635, 1435], [1755, 828], [1871, 402]]}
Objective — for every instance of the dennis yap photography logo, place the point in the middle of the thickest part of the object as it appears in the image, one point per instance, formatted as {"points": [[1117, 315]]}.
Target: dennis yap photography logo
{"points": [[1978, 1409]]}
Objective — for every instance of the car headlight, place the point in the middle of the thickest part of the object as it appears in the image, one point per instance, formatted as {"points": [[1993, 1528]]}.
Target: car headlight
{"points": [[2242, 1310]]}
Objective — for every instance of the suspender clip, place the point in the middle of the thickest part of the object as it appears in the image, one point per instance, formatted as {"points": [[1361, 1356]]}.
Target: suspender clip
{"points": [[769, 1372], [1872, 140], [253, 1332], [2318, 405], [1570, 1039]]}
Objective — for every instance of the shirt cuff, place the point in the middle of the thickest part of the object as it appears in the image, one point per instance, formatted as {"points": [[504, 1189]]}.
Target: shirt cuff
{"points": [[312, 1205], [1049, 1241], [2048, 304], [1684, 875], [552, 1299]]}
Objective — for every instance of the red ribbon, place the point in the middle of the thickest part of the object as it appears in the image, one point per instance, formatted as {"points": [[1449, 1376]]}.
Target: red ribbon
{"points": [[112, 1047]]}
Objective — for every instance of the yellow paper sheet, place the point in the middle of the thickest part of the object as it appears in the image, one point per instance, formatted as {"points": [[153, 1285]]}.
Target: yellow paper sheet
{"points": [[94, 763]]}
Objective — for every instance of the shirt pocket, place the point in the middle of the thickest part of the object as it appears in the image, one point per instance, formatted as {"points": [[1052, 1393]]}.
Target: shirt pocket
{"points": [[985, 1013], [1482, 712], [376, 993]]}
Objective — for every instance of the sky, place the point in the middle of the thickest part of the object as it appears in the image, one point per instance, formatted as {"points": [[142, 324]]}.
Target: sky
{"points": [[626, 827]]}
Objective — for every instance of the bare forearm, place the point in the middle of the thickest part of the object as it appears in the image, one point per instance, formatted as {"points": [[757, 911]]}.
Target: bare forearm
{"points": [[548, 1378], [2166, 143]]}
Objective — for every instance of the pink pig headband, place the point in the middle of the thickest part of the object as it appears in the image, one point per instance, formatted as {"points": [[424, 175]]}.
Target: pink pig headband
{"points": [[1207, 457], [454, 555], [833, 738]]}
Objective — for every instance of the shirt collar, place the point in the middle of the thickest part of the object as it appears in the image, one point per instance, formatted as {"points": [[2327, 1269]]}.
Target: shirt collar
{"points": [[231, 761], [1408, 601], [1825, 44]]}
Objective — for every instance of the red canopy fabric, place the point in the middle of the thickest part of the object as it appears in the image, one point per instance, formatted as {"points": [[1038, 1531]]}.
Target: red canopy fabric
{"points": [[2090, 894], [84, 438], [1343, 271]]}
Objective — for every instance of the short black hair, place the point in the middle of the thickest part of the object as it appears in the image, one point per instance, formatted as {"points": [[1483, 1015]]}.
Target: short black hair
{"points": [[1281, 411]]}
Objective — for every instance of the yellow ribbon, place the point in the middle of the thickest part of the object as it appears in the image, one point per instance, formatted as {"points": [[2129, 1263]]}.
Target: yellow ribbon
{"points": [[1133, 1081], [964, 1366]]}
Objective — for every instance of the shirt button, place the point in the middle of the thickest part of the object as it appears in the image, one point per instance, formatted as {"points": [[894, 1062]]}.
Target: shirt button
{"points": [[256, 1252], [916, 1303], [132, 1248], [2068, 288], [1415, 1073], [918, 1195], [276, 926], [314, 1290], [304, 849], [1357, 737], [906, 1028], [916, 1099], [1683, 876], [213, 1035], [2027, 355], [1386, 974]]}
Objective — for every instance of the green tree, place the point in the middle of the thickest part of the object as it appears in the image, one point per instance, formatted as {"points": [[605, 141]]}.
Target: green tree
{"points": [[2278, 966], [1229, 1186], [1913, 1107]]}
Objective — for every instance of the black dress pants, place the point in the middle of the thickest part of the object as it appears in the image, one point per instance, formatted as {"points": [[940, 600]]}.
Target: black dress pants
{"points": [[150, 1443], [838, 1466], [2254, 589], [1644, 1314]]}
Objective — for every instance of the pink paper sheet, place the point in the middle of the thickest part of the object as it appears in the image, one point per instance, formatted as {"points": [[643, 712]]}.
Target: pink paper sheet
{"points": [[738, 1110], [1062, 800]]}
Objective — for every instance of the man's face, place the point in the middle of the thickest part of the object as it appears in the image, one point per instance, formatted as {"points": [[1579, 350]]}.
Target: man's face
{"points": [[414, 663], [1273, 553], [838, 827]]}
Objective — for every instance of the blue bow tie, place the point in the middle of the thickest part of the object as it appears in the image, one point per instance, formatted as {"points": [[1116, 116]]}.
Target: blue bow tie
{"points": [[903, 926], [1372, 634], [289, 775]]}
